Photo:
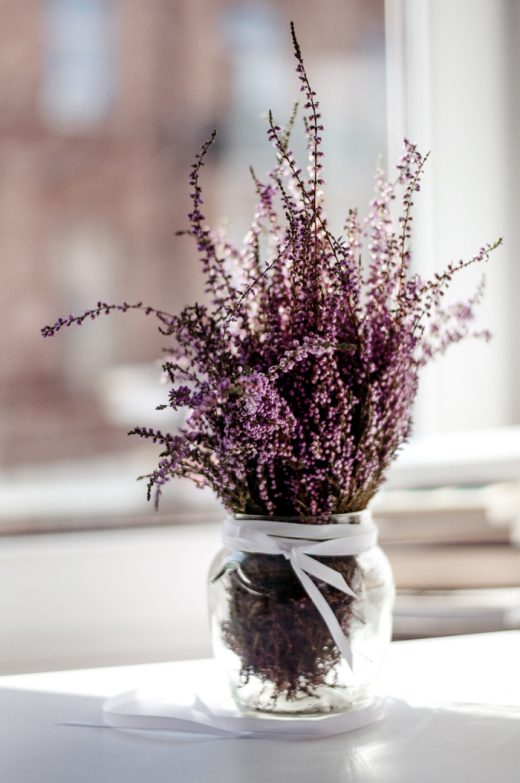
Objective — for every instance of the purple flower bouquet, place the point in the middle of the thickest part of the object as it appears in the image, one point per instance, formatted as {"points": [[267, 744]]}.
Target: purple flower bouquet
{"points": [[299, 372]]}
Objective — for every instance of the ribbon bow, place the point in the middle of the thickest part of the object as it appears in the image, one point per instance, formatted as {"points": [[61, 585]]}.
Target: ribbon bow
{"points": [[300, 544]]}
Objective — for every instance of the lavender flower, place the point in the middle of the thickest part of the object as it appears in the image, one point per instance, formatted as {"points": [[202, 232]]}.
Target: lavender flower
{"points": [[300, 373]]}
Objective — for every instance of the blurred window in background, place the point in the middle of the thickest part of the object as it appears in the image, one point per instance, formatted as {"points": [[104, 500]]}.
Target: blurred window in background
{"points": [[79, 68], [103, 106]]}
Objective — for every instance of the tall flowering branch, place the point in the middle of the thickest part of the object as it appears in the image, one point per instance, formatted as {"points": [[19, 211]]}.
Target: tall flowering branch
{"points": [[299, 374]]}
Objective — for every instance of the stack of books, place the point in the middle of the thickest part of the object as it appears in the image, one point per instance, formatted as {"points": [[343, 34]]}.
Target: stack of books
{"points": [[455, 552]]}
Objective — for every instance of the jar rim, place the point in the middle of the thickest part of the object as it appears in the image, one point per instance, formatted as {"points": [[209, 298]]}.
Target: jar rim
{"points": [[349, 518]]}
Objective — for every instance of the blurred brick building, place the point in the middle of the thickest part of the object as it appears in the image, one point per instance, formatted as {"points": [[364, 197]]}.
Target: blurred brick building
{"points": [[103, 104]]}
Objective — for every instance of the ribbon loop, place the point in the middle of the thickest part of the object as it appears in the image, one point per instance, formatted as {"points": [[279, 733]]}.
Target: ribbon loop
{"points": [[301, 544]]}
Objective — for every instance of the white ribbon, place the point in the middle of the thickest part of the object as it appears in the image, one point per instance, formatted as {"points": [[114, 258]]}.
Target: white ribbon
{"points": [[137, 711], [300, 544]]}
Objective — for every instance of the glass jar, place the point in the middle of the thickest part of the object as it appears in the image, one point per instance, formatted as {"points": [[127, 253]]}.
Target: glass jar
{"points": [[275, 646]]}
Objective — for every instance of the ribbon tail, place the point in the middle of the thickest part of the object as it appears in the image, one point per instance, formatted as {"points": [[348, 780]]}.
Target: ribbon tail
{"points": [[120, 713], [324, 609], [325, 573]]}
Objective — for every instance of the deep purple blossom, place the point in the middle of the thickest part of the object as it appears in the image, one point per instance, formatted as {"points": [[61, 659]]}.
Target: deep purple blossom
{"points": [[300, 373]]}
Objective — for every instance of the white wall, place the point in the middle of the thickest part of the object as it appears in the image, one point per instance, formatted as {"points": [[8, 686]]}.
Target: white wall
{"points": [[90, 599]]}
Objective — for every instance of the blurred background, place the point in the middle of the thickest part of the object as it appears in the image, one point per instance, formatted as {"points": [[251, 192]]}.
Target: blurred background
{"points": [[103, 106]]}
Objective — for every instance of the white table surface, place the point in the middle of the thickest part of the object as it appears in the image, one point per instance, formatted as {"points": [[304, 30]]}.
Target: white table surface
{"points": [[453, 716]]}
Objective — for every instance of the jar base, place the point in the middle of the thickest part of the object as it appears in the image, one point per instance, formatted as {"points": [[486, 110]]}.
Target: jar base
{"points": [[324, 702]]}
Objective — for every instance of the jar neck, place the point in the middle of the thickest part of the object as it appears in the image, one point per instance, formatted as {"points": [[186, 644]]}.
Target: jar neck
{"points": [[352, 518]]}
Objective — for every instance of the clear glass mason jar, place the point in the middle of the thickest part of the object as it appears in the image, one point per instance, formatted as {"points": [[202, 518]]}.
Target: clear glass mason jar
{"points": [[274, 645]]}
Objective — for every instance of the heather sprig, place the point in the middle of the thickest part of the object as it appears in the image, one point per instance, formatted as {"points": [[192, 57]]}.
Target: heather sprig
{"points": [[299, 373]]}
